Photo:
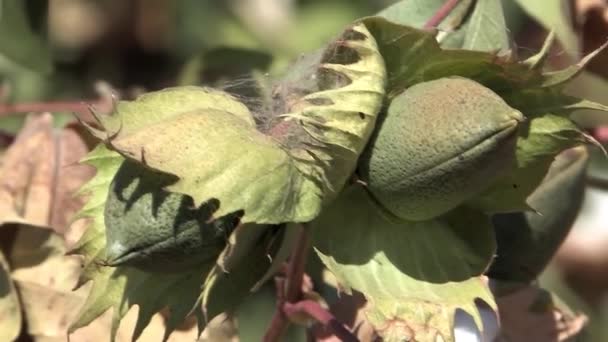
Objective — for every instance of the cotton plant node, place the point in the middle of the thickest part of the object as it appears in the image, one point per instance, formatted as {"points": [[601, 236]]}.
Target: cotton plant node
{"points": [[195, 186]]}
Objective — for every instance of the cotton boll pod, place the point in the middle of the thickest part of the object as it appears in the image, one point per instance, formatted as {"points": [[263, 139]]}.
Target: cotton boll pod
{"points": [[440, 143], [155, 230], [528, 241]]}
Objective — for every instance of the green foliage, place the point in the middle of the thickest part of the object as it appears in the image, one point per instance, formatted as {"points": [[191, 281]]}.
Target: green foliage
{"points": [[487, 30], [447, 153], [275, 184], [122, 287], [413, 56], [540, 140], [18, 42], [529, 240], [415, 273], [415, 13]]}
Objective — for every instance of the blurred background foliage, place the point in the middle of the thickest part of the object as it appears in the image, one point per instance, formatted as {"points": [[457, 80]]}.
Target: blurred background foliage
{"points": [[68, 51]]}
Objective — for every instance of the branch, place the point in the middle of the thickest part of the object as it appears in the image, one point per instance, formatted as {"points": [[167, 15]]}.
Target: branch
{"points": [[80, 107], [321, 315], [441, 14], [289, 291]]}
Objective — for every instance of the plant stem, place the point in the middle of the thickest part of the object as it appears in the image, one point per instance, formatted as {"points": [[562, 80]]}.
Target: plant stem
{"points": [[289, 291], [321, 315], [441, 14], [79, 107], [297, 264]]}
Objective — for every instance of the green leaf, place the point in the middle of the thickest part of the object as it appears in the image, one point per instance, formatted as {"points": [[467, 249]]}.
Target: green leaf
{"points": [[154, 108], [415, 274], [543, 139], [17, 40], [487, 30], [208, 140], [10, 308], [554, 16], [413, 56], [561, 77], [416, 13], [527, 241]]}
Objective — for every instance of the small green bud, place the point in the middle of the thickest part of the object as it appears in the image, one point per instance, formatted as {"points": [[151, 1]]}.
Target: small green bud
{"points": [[440, 143]]}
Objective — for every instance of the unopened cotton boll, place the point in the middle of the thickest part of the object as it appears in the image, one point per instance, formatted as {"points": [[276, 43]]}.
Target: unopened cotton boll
{"points": [[440, 143]]}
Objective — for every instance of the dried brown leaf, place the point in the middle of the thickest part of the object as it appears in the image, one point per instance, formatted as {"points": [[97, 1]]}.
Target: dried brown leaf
{"points": [[26, 173], [39, 175]]}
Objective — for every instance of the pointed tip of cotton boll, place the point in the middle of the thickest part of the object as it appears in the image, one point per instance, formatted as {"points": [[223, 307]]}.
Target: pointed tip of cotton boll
{"points": [[115, 252]]}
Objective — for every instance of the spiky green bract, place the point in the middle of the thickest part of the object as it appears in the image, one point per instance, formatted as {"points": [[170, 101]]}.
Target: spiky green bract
{"points": [[208, 141], [527, 241], [120, 288], [415, 171], [413, 274]]}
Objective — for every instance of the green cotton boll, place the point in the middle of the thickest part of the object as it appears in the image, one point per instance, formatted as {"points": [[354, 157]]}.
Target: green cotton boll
{"points": [[440, 143], [155, 230]]}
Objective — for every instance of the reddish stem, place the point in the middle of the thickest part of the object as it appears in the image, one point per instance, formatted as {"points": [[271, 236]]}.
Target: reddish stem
{"points": [[321, 315], [441, 14], [295, 272], [79, 107], [289, 291]]}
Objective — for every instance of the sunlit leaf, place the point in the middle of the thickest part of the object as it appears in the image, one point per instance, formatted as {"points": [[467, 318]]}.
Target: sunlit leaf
{"points": [[208, 140]]}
